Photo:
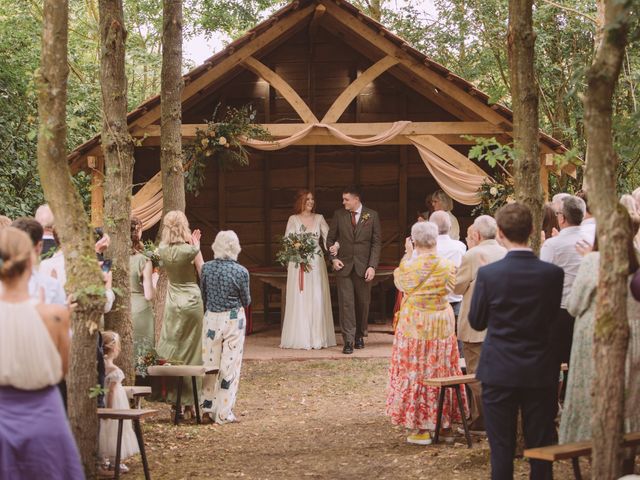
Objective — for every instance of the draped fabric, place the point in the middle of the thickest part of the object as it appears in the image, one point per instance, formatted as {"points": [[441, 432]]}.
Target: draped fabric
{"points": [[460, 185]]}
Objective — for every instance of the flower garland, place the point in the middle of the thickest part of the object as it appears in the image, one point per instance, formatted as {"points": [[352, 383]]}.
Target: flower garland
{"points": [[494, 194], [220, 142]]}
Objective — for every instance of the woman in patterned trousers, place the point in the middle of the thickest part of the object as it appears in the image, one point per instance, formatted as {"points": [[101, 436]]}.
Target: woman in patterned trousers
{"points": [[225, 294]]}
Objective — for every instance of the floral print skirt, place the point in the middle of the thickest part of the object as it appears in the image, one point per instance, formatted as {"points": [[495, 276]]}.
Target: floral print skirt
{"points": [[410, 402]]}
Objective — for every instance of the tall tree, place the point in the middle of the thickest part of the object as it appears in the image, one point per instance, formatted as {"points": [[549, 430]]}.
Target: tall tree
{"points": [[611, 335], [117, 147], [524, 93], [73, 228], [171, 108], [171, 85]]}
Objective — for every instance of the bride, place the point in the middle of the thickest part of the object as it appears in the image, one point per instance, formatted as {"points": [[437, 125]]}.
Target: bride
{"points": [[308, 321]]}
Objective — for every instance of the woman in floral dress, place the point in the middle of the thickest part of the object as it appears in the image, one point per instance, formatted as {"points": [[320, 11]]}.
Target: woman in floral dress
{"points": [[425, 344]]}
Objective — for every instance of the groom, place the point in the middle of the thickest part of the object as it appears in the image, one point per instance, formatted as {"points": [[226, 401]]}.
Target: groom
{"points": [[354, 241]]}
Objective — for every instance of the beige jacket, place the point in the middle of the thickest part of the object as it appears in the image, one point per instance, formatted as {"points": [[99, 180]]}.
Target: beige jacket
{"points": [[487, 251]]}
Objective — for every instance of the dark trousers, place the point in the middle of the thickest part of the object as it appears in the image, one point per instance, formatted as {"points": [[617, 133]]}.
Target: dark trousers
{"points": [[564, 335], [354, 296], [539, 407]]}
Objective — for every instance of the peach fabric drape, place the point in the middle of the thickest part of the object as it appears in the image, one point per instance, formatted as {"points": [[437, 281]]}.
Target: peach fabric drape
{"points": [[459, 185]]}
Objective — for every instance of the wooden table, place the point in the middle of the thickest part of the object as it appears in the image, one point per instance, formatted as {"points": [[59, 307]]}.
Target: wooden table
{"points": [[277, 277], [128, 414]]}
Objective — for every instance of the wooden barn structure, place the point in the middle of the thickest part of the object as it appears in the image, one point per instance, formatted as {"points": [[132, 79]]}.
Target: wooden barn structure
{"points": [[319, 62]]}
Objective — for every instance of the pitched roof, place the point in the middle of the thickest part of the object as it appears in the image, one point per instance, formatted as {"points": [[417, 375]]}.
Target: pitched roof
{"points": [[288, 10]]}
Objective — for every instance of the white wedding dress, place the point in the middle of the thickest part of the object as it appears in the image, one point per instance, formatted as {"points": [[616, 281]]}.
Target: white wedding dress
{"points": [[308, 321]]}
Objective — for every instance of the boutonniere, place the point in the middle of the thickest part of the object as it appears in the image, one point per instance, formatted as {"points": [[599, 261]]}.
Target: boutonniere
{"points": [[365, 216]]}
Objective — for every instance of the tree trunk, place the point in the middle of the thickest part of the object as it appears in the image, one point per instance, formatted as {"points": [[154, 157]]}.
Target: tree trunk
{"points": [[611, 335], [72, 224], [524, 92], [117, 147], [171, 105], [171, 85]]}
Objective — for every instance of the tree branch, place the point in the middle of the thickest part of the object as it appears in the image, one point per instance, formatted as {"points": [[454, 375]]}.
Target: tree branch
{"points": [[572, 10]]}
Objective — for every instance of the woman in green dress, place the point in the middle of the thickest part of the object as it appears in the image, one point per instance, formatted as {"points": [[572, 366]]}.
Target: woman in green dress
{"points": [[181, 335], [140, 274]]}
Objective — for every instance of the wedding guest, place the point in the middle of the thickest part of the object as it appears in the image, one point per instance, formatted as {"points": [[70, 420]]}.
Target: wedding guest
{"points": [[517, 300], [35, 437], [588, 225], [140, 273], [550, 227], [308, 320], [4, 221], [116, 399], [561, 251], [440, 201], [54, 265], [226, 295], [483, 249], [575, 423], [424, 344], [181, 334], [42, 287], [44, 216], [636, 196], [450, 249]]}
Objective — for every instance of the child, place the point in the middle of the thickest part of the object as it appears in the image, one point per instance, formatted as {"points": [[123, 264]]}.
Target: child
{"points": [[116, 398]]}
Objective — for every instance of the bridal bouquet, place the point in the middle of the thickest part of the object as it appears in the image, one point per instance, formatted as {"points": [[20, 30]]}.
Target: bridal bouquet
{"points": [[299, 248]]}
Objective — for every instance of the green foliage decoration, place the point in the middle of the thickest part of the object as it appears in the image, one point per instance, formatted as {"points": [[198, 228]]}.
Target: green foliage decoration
{"points": [[221, 142]]}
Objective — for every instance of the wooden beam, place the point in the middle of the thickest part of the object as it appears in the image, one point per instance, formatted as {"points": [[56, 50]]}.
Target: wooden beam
{"points": [[283, 130], [450, 155], [280, 84], [315, 21], [413, 64], [354, 89], [96, 164], [235, 59], [403, 189]]}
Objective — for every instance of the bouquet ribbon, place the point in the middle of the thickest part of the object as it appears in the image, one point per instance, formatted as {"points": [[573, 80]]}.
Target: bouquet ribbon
{"points": [[301, 277]]}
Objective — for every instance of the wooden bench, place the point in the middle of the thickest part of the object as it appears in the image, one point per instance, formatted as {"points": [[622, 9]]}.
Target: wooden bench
{"points": [[136, 394], [451, 382], [129, 414], [574, 451], [180, 371]]}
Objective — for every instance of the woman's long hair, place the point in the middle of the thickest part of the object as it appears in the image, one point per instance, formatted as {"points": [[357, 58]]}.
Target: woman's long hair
{"points": [[301, 199], [136, 242], [175, 228]]}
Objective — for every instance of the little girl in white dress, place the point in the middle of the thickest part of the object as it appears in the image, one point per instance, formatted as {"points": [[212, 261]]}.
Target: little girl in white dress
{"points": [[116, 397]]}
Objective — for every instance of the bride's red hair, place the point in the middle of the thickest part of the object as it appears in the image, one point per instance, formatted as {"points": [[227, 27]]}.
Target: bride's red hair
{"points": [[301, 198]]}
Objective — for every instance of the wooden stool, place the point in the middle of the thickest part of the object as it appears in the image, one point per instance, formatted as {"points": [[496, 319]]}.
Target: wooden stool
{"points": [[574, 451], [180, 371], [451, 382], [134, 416], [137, 394]]}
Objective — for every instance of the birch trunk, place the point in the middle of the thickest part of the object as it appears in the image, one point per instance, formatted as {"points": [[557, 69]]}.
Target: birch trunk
{"points": [[611, 335], [117, 147], [72, 224], [524, 92]]}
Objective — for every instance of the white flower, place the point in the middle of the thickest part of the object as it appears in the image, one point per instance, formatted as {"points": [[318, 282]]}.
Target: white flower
{"points": [[222, 140], [493, 191]]}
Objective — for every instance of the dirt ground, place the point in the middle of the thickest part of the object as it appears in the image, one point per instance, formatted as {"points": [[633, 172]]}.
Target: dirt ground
{"points": [[321, 419]]}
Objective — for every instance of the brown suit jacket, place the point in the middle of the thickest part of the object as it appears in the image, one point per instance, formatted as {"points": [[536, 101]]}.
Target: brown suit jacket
{"points": [[487, 251], [359, 248]]}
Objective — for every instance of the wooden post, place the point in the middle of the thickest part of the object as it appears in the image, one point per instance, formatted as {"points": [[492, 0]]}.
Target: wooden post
{"points": [[311, 170], [402, 197], [96, 164], [222, 199], [266, 203]]}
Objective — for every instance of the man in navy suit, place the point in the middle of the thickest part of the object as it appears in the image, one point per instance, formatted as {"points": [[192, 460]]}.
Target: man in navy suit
{"points": [[517, 300]]}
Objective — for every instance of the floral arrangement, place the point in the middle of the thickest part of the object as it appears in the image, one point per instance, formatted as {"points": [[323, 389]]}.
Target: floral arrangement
{"points": [[150, 250], [221, 142], [146, 356], [299, 248], [494, 194]]}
